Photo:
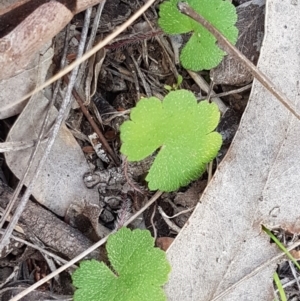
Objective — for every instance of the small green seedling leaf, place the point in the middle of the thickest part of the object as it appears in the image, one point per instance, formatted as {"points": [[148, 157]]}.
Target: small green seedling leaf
{"points": [[138, 270], [175, 86], [183, 131], [201, 51], [168, 87], [179, 80]]}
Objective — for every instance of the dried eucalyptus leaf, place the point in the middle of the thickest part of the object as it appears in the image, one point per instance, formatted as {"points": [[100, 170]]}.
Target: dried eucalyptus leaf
{"points": [[15, 87], [257, 183], [60, 182]]}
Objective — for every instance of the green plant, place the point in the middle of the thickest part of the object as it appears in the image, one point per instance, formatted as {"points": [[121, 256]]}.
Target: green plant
{"points": [[181, 129], [288, 254], [175, 86], [281, 247], [201, 51], [279, 287], [138, 270]]}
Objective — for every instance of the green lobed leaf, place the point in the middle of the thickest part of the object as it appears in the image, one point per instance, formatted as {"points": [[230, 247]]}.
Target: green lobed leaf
{"points": [[150, 127], [172, 21], [181, 128], [201, 51], [139, 270]]}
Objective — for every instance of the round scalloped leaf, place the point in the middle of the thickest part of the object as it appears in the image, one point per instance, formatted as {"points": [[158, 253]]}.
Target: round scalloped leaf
{"points": [[134, 258], [206, 60], [95, 282], [171, 20], [184, 129], [145, 124], [201, 51], [139, 270]]}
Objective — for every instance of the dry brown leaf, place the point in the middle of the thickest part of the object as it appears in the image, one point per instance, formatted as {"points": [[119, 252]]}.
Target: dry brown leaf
{"points": [[164, 242], [24, 29], [14, 88], [61, 181], [257, 183], [251, 15]]}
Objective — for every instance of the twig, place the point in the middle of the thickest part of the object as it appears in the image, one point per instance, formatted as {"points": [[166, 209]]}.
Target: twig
{"points": [[167, 221], [210, 91], [63, 62], [133, 39], [9, 279], [90, 42], [203, 85], [152, 222], [235, 91], [163, 44], [129, 178], [181, 212], [85, 253], [230, 49], [88, 54], [209, 171], [134, 75], [294, 272], [289, 283], [53, 134], [59, 259], [141, 76], [93, 124], [120, 74]]}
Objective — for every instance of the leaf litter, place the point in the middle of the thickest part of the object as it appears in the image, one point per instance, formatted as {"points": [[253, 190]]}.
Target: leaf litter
{"points": [[221, 258], [60, 183], [255, 184]]}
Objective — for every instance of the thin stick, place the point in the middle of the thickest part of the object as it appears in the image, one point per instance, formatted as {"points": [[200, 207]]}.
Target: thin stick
{"points": [[57, 258], [93, 124], [129, 178], [90, 42], [235, 91], [153, 223], [167, 220], [85, 253], [230, 49], [142, 77], [179, 213], [203, 85]]}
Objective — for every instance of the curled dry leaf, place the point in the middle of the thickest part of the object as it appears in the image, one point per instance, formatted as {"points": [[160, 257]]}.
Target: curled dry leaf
{"points": [[257, 183]]}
